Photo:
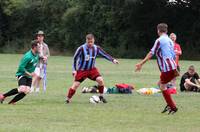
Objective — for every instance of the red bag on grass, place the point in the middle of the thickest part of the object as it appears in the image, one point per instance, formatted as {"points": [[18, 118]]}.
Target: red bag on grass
{"points": [[124, 88], [123, 85]]}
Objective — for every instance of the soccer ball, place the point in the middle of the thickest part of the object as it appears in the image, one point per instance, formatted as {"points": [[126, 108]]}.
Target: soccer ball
{"points": [[94, 99]]}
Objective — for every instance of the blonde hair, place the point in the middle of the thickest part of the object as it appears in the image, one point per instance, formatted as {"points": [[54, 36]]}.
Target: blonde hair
{"points": [[172, 34]]}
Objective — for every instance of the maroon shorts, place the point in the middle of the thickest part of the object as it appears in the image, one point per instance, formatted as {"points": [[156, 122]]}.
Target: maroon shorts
{"points": [[91, 74], [166, 77]]}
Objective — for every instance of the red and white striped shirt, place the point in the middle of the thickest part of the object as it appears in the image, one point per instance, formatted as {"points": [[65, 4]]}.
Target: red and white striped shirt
{"points": [[164, 50]]}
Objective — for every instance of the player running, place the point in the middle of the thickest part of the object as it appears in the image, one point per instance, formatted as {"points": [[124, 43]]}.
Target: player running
{"points": [[24, 75], [164, 50], [84, 66], [42, 65]]}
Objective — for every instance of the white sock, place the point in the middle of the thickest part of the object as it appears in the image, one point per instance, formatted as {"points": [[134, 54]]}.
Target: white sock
{"points": [[37, 90], [32, 89]]}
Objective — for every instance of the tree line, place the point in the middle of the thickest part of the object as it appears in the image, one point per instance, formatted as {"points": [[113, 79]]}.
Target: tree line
{"points": [[125, 28]]}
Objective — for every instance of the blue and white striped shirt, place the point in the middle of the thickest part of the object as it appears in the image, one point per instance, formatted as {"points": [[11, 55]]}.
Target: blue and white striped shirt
{"points": [[85, 57]]}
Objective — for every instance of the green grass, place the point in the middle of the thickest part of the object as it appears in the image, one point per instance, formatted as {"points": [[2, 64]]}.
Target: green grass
{"points": [[123, 113]]}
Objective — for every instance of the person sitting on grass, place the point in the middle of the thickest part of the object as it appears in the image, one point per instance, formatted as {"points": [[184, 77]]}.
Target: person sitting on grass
{"points": [[190, 81]]}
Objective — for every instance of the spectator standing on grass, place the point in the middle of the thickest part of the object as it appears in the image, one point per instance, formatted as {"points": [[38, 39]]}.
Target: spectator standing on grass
{"points": [[177, 50], [43, 57]]}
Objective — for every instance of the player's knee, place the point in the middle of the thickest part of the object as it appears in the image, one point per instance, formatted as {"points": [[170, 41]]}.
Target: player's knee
{"points": [[75, 85], [24, 89], [162, 87], [28, 90], [100, 81]]}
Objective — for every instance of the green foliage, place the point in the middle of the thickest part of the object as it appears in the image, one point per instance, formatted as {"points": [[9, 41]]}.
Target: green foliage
{"points": [[10, 6], [126, 28]]}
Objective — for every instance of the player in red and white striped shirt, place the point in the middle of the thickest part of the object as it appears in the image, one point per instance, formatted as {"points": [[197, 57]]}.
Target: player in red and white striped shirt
{"points": [[164, 50]]}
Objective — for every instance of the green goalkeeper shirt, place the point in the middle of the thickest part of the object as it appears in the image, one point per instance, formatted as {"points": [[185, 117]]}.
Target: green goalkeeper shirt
{"points": [[28, 63]]}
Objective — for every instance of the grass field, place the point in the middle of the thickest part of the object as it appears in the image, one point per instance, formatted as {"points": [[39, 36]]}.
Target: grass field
{"points": [[47, 112]]}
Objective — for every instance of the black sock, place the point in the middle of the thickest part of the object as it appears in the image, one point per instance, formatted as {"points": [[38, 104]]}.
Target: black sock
{"points": [[11, 92], [17, 98]]}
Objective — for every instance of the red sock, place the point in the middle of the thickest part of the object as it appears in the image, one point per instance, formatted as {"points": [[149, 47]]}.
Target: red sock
{"points": [[71, 92], [168, 99], [101, 89]]}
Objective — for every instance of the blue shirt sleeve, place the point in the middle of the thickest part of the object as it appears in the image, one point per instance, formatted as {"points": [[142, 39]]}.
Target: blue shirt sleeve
{"points": [[104, 54], [75, 59]]}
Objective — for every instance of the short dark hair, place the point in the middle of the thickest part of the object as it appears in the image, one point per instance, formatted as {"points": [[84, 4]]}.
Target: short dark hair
{"points": [[191, 67], [90, 36], [162, 27], [34, 44]]}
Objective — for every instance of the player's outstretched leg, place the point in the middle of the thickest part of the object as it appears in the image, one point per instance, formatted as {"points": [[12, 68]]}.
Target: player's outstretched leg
{"points": [[22, 91], [18, 97], [100, 82], [72, 91], [9, 93], [171, 106]]}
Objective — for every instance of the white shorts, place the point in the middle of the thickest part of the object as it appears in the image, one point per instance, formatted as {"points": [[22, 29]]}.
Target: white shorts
{"points": [[39, 72]]}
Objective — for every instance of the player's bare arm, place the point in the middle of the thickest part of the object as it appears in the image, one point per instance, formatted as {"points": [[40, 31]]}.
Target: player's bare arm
{"points": [[139, 65]]}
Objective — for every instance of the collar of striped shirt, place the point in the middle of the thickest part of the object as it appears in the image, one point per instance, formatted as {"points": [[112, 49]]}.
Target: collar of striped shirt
{"points": [[88, 46]]}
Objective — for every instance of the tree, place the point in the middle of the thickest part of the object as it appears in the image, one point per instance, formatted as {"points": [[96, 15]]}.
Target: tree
{"points": [[126, 28]]}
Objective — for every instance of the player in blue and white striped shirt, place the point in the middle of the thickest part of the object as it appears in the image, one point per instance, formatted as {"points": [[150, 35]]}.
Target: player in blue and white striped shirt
{"points": [[84, 66]]}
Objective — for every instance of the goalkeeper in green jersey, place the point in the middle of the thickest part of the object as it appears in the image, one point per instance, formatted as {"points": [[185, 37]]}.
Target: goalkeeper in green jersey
{"points": [[24, 75]]}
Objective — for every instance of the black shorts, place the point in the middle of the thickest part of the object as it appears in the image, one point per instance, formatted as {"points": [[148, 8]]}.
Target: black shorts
{"points": [[23, 80]]}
